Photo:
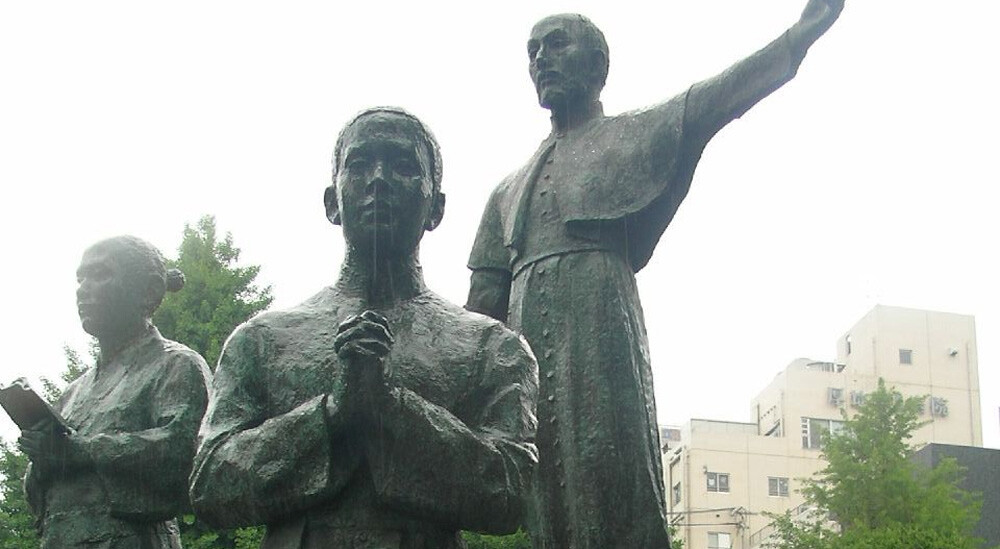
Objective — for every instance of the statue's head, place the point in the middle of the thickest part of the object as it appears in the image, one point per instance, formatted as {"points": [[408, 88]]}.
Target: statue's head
{"points": [[567, 60], [386, 187], [122, 281]]}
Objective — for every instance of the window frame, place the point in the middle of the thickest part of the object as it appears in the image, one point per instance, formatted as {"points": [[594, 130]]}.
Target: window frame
{"points": [[906, 354], [716, 478], [832, 426], [778, 483], [729, 540]]}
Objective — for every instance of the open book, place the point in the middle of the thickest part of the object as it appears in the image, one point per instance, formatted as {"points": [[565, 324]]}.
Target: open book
{"points": [[26, 408]]}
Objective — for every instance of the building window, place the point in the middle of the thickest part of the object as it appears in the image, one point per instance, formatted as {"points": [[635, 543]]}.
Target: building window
{"points": [[719, 540], [857, 398], [777, 486], [677, 493], [848, 341], [813, 429], [835, 396], [717, 482], [905, 356]]}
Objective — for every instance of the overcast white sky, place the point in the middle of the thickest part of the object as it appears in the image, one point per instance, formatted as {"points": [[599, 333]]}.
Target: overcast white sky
{"points": [[871, 178]]}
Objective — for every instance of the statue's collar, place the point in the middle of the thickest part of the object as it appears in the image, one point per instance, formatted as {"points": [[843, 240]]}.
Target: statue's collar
{"points": [[150, 334]]}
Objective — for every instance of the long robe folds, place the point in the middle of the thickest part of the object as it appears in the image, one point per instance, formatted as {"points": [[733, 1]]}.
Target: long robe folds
{"points": [[565, 234], [452, 452], [137, 416]]}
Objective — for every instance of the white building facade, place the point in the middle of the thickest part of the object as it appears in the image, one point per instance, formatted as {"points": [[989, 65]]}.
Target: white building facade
{"points": [[721, 477]]}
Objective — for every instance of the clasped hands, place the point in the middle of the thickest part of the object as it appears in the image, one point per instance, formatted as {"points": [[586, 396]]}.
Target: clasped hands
{"points": [[362, 343]]}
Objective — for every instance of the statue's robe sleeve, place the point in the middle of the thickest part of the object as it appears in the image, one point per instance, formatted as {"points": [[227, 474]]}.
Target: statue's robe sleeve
{"points": [[144, 473], [489, 291], [470, 475], [637, 167], [254, 468], [713, 103]]}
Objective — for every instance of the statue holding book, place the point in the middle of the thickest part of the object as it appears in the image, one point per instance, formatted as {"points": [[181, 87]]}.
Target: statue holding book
{"points": [[109, 464]]}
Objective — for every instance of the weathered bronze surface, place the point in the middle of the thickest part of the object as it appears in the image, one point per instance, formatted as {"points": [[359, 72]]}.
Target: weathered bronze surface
{"points": [[555, 257], [119, 478], [375, 414]]}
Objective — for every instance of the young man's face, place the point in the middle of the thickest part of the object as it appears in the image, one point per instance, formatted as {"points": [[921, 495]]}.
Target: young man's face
{"points": [[385, 188]]}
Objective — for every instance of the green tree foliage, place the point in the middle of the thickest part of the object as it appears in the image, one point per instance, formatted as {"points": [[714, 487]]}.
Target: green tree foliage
{"points": [[249, 538], [218, 294], [876, 495], [17, 530], [675, 540], [790, 533]]}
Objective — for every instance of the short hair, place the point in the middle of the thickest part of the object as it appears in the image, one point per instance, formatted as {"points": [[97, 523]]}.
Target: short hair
{"points": [[139, 260], [424, 133]]}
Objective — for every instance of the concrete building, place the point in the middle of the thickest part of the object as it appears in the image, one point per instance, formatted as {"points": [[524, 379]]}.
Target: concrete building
{"points": [[721, 477]]}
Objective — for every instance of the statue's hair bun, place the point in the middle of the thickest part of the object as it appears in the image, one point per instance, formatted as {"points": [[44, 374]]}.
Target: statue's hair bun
{"points": [[175, 280]]}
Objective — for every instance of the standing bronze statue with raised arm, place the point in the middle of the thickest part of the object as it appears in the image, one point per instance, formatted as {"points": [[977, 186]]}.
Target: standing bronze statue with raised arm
{"points": [[118, 478], [375, 415], [555, 257]]}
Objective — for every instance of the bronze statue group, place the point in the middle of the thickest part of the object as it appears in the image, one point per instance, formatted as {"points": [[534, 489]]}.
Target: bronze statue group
{"points": [[378, 415]]}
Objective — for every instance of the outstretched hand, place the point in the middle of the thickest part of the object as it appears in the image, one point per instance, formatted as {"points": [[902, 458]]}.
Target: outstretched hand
{"points": [[817, 18]]}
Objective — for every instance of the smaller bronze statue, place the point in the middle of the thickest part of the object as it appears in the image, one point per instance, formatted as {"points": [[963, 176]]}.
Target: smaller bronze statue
{"points": [[375, 414], [117, 479]]}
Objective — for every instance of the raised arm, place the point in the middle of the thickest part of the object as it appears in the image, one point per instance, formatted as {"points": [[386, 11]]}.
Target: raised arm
{"points": [[713, 103]]}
